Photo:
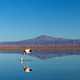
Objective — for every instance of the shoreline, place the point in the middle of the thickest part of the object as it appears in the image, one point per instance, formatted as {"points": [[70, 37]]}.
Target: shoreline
{"points": [[44, 48]]}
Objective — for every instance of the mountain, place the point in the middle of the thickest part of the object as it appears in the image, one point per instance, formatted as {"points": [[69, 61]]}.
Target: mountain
{"points": [[48, 40], [40, 40], [43, 40]]}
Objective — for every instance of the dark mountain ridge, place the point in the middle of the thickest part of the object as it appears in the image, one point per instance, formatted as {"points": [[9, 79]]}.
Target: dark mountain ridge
{"points": [[43, 40]]}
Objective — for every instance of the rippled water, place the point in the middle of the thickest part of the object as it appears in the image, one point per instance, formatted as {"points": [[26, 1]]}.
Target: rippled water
{"points": [[44, 68]]}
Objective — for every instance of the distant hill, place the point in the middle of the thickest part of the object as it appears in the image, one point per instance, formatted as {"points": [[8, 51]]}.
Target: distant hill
{"points": [[43, 40]]}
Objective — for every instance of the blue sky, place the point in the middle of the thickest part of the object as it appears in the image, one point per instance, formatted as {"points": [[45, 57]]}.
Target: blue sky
{"points": [[23, 19]]}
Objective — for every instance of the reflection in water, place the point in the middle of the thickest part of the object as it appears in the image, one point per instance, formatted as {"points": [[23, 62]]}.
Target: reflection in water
{"points": [[26, 68], [43, 56], [47, 55], [60, 68]]}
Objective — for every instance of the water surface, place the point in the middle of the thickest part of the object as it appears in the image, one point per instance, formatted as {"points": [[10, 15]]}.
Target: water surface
{"points": [[52, 68]]}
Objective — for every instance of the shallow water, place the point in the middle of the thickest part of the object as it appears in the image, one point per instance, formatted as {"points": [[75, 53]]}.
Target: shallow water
{"points": [[53, 68]]}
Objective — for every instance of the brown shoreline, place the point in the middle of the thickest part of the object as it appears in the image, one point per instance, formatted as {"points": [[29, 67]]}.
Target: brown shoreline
{"points": [[40, 47]]}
